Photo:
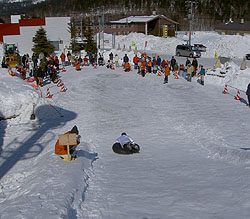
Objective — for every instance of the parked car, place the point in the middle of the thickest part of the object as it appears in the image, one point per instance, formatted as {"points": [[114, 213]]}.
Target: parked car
{"points": [[248, 56], [187, 50], [200, 47]]}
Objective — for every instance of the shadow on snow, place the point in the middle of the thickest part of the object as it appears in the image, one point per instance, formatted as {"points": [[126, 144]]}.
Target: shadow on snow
{"points": [[48, 118]]}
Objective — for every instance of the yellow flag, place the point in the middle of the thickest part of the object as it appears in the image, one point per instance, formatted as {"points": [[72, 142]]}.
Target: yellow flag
{"points": [[215, 55]]}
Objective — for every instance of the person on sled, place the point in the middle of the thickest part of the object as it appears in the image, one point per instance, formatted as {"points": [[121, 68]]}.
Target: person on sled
{"points": [[126, 144], [68, 153]]}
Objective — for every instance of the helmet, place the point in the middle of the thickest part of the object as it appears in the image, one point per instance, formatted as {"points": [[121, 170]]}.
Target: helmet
{"points": [[124, 133]]}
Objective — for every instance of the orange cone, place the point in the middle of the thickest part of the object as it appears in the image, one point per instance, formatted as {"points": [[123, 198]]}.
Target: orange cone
{"points": [[95, 66], [59, 83], [176, 75], [225, 90], [48, 94], [63, 69], [159, 72], [237, 96], [112, 67], [63, 88]]}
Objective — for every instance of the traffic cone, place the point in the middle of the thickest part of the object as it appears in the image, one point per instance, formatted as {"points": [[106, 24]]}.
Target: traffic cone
{"points": [[112, 67], [176, 75], [63, 69], [48, 94], [159, 72], [237, 96], [59, 83], [63, 89], [95, 66], [225, 90]]}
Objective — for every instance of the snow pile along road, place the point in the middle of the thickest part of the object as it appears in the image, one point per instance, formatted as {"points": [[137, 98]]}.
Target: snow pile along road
{"points": [[16, 97]]}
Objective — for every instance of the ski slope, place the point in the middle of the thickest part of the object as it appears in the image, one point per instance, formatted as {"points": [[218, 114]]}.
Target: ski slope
{"points": [[194, 159]]}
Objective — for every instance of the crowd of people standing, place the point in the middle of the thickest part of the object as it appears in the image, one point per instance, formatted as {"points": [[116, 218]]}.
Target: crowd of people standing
{"points": [[42, 67]]}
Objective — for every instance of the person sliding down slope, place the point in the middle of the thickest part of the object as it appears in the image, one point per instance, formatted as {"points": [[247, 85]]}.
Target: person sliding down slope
{"points": [[125, 145]]}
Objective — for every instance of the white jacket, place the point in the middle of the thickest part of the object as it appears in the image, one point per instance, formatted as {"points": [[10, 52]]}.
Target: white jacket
{"points": [[124, 139]]}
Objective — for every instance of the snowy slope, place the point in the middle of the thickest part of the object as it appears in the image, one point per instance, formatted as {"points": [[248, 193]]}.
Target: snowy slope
{"points": [[194, 160]]}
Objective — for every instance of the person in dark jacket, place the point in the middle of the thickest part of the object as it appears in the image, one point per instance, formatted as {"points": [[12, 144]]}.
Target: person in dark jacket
{"points": [[172, 62], [39, 75], [187, 62], [158, 61], [195, 65], [125, 59], [111, 56], [248, 94]]}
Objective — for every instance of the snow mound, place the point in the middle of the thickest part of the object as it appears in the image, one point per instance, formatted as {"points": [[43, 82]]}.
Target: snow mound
{"points": [[16, 97], [229, 74]]}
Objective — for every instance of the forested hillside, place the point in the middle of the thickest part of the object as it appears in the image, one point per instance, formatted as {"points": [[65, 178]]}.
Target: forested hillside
{"points": [[206, 13]]}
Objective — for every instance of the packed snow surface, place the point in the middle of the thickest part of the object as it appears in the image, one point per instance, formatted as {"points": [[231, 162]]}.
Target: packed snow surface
{"points": [[194, 160]]}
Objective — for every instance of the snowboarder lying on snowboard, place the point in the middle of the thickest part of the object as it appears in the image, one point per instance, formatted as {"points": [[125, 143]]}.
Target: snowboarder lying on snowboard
{"points": [[125, 145], [62, 150]]}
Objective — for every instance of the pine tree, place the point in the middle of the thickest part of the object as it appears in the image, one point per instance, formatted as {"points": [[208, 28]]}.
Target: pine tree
{"points": [[41, 43], [90, 44], [73, 43]]}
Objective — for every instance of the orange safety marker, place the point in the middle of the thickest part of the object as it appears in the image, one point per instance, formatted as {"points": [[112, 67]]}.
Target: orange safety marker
{"points": [[48, 94], [63, 89], [176, 75], [95, 66], [225, 90], [159, 72], [63, 69], [59, 83], [237, 96]]}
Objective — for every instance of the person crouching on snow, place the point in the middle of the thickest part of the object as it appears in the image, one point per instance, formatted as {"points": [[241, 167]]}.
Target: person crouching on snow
{"points": [[62, 150], [127, 67], [126, 142]]}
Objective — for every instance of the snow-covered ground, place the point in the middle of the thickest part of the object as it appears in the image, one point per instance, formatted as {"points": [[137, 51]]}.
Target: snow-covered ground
{"points": [[194, 160]]}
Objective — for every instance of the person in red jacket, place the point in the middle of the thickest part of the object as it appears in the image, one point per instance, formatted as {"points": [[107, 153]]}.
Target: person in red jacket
{"points": [[63, 57], [135, 61]]}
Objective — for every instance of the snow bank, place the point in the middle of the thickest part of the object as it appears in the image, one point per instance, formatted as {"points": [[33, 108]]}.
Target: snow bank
{"points": [[16, 96], [229, 74], [225, 45]]}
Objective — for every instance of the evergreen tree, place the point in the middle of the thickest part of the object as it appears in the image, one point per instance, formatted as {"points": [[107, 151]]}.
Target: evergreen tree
{"points": [[90, 44], [73, 32], [41, 43]]}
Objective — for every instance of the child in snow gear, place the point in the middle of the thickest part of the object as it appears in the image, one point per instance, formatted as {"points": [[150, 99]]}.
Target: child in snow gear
{"points": [[66, 152], [127, 67], [143, 68], [77, 65], [125, 145], [202, 74], [189, 72], [116, 61], [100, 60], [167, 72]]}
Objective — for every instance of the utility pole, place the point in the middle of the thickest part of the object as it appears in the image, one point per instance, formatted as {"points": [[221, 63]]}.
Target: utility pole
{"points": [[191, 18], [103, 27], [99, 32]]}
